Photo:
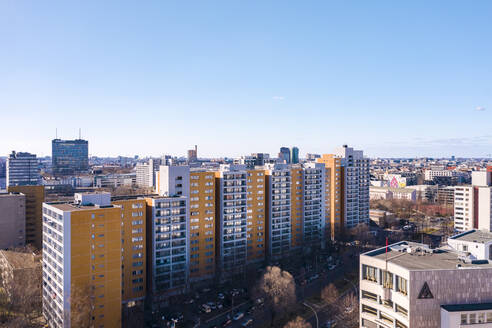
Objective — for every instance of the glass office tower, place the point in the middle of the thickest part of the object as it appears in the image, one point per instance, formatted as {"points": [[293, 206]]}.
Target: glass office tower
{"points": [[69, 157]]}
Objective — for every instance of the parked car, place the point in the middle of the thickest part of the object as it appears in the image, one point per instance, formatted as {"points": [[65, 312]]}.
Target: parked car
{"points": [[189, 301], [205, 308], [221, 296], [226, 323], [238, 316], [212, 305], [247, 323]]}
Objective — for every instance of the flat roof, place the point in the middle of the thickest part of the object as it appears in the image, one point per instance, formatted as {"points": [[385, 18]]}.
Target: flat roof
{"points": [[476, 236], [66, 207], [425, 259], [467, 307]]}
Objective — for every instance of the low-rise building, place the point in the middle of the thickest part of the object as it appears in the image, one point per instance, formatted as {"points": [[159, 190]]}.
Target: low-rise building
{"points": [[409, 285]]}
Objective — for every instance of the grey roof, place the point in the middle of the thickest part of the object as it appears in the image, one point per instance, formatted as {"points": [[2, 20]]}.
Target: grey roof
{"points": [[425, 259], [476, 236]]}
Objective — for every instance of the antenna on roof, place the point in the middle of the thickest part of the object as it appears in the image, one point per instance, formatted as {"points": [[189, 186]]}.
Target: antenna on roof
{"points": [[56, 133], [80, 133]]}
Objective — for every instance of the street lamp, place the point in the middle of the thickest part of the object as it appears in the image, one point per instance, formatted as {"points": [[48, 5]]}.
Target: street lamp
{"points": [[315, 314]]}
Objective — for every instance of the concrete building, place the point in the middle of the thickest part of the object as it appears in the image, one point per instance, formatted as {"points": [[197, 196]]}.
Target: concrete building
{"points": [[413, 286], [256, 202], [22, 170], [355, 186], [381, 218], [146, 173], [445, 195], [476, 243], [334, 194], [168, 246], [392, 193], [115, 180], [278, 225], [12, 220], [193, 155], [231, 218], [313, 205], [380, 193], [472, 204], [82, 248], [429, 175], [34, 212], [69, 157]]}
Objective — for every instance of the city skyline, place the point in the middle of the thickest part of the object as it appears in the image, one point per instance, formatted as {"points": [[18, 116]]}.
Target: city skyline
{"points": [[394, 79]]}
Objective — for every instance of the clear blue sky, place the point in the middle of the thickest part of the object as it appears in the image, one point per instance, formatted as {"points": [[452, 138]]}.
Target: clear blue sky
{"points": [[395, 78]]}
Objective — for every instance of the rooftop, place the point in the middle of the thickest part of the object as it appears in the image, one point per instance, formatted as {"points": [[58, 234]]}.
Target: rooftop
{"points": [[476, 236], [67, 207], [415, 256], [467, 307]]}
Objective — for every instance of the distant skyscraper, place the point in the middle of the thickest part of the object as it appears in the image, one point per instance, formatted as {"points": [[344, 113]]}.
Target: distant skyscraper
{"points": [[294, 155], [192, 155], [284, 155], [23, 169], [69, 157]]}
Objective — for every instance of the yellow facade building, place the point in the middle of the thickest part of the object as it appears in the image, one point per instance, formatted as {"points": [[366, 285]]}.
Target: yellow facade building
{"points": [[256, 215], [202, 225], [333, 194], [82, 250], [296, 210]]}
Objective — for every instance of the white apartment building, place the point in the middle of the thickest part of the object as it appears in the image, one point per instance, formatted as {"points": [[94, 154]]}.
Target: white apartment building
{"points": [[413, 286], [22, 169], [169, 253], [174, 180], [314, 204], [279, 182], [473, 205], [356, 193], [463, 208], [430, 174], [146, 173], [232, 209]]}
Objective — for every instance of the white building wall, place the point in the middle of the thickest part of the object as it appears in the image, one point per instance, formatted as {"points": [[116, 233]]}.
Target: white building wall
{"points": [[484, 211]]}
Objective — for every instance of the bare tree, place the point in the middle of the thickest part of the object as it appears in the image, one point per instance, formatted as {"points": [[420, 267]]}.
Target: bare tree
{"points": [[278, 288], [81, 305], [330, 294], [22, 296], [298, 322], [349, 311]]}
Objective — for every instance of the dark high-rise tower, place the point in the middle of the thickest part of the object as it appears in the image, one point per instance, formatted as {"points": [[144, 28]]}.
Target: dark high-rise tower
{"points": [[69, 157]]}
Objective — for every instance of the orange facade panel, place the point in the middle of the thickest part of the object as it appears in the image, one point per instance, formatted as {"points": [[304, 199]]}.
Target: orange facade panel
{"points": [[256, 215]]}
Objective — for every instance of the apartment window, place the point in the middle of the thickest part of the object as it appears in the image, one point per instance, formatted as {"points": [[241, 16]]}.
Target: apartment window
{"points": [[400, 325], [369, 309], [401, 285], [369, 296], [386, 318], [402, 310], [464, 318], [387, 279], [472, 318], [369, 273], [489, 317]]}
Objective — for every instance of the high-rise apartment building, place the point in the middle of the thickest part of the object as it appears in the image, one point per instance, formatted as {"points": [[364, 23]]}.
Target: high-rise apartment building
{"points": [[168, 236], [334, 217], [22, 169], [12, 220], [69, 157], [294, 155], [279, 222], [313, 204], [82, 252], [202, 225], [231, 219], [256, 215], [296, 206], [133, 258], [472, 204], [355, 169], [97, 246], [146, 173], [33, 212]]}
